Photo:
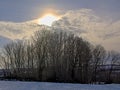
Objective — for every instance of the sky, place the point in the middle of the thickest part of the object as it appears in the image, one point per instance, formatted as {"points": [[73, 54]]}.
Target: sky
{"points": [[24, 10], [97, 21]]}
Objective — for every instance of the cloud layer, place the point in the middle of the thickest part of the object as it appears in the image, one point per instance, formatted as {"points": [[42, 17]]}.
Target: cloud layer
{"points": [[84, 22], [87, 24], [17, 31]]}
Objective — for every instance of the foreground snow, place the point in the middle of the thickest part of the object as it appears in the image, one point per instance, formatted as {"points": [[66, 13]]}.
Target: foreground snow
{"points": [[16, 85]]}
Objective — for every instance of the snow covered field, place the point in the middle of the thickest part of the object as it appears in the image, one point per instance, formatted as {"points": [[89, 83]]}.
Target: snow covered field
{"points": [[17, 85]]}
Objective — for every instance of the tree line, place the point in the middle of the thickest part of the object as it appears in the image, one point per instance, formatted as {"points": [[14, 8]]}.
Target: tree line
{"points": [[58, 57]]}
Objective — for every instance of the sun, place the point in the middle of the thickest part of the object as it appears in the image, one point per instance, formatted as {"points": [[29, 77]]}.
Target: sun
{"points": [[48, 19]]}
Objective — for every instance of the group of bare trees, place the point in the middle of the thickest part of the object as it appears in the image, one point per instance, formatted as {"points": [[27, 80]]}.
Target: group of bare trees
{"points": [[56, 56]]}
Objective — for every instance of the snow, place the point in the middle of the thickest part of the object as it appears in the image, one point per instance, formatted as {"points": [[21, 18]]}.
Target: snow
{"points": [[17, 85]]}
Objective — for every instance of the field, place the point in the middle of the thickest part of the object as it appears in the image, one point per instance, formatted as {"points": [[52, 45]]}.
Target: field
{"points": [[17, 85]]}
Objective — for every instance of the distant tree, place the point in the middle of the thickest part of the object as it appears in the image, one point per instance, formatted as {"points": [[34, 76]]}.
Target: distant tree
{"points": [[113, 58], [99, 54]]}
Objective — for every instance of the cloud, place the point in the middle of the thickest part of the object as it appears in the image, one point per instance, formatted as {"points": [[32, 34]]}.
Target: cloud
{"points": [[17, 31], [87, 24], [84, 22]]}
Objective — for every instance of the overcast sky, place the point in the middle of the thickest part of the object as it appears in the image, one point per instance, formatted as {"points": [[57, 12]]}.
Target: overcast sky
{"points": [[24, 10]]}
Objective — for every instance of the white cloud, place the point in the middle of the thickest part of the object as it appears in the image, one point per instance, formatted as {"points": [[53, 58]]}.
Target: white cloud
{"points": [[84, 22], [18, 30], [87, 24]]}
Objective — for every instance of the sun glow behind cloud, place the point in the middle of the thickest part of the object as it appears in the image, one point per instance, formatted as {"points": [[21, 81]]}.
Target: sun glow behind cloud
{"points": [[84, 22], [48, 19]]}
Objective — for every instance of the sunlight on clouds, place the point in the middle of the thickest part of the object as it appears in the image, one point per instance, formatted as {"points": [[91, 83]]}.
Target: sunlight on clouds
{"points": [[48, 19], [48, 16], [84, 22], [87, 24], [17, 30]]}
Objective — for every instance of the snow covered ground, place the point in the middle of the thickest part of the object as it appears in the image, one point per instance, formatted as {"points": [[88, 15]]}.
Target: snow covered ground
{"points": [[17, 85]]}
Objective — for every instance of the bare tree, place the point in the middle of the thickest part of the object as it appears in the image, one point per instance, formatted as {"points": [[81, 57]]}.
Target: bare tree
{"points": [[40, 41], [99, 54], [113, 58], [56, 56]]}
